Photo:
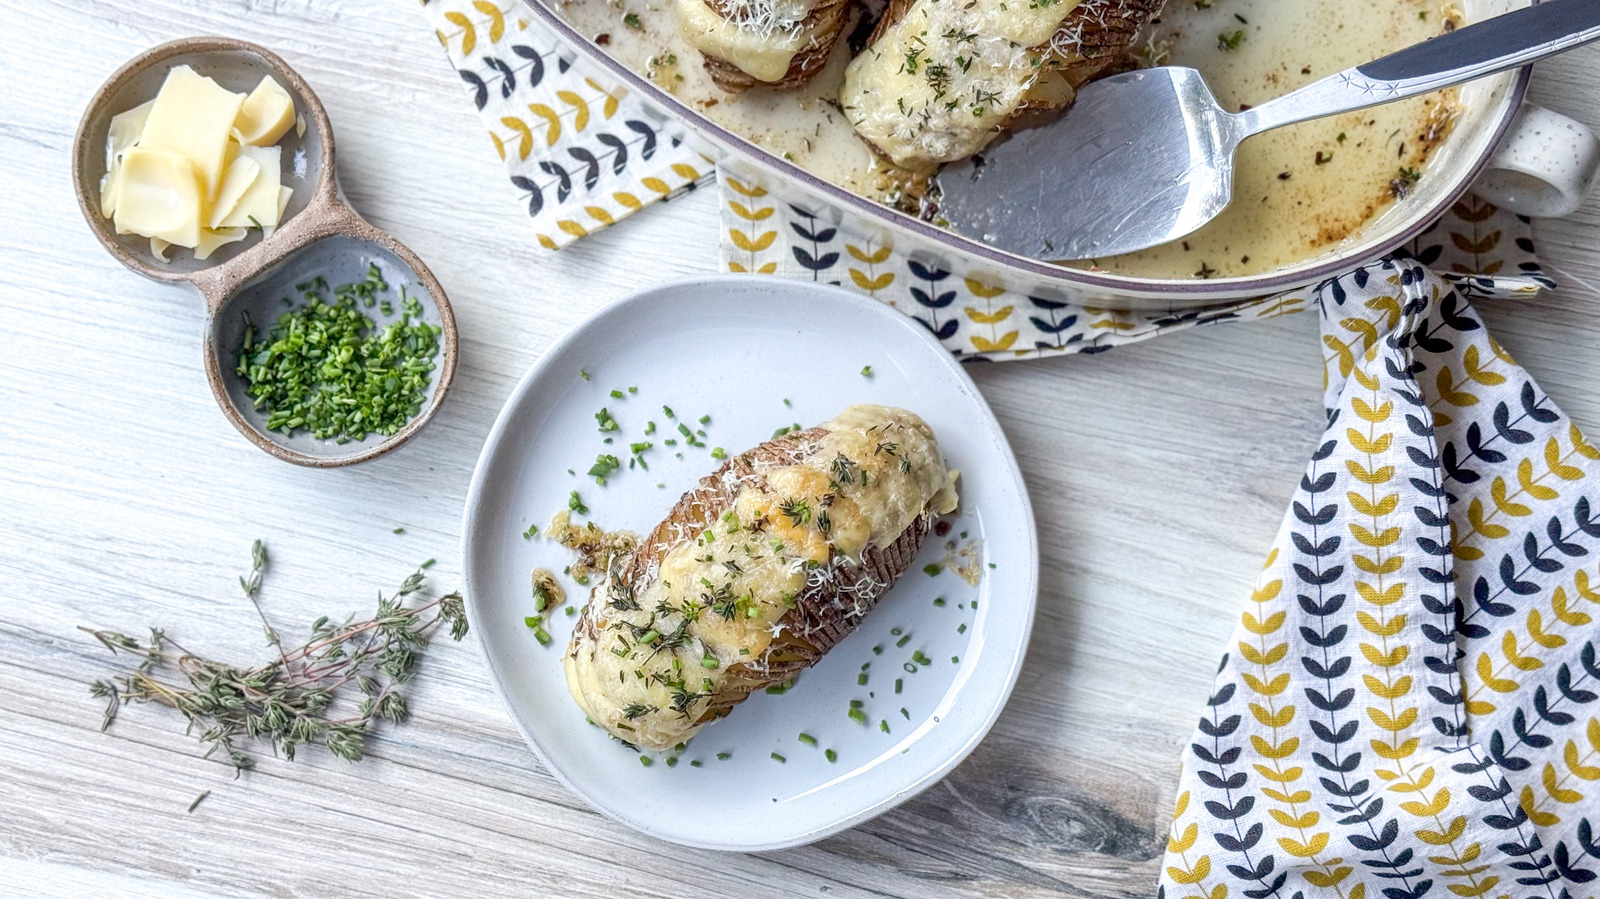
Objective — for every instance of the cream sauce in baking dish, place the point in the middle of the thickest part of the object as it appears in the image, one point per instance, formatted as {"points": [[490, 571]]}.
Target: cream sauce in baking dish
{"points": [[1300, 191]]}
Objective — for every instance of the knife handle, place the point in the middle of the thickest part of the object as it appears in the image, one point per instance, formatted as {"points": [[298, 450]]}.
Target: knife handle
{"points": [[1491, 46]]}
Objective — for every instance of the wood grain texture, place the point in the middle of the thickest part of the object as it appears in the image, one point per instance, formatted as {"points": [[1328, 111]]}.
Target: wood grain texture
{"points": [[1159, 474]]}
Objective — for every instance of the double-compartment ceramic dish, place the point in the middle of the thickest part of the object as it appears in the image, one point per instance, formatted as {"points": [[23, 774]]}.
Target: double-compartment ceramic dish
{"points": [[1531, 160], [245, 282], [931, 665]]}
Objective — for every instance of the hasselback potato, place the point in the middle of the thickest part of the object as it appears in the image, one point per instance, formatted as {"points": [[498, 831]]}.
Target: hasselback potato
{"points": [[748, 43], [756, 573], [940, 79]]}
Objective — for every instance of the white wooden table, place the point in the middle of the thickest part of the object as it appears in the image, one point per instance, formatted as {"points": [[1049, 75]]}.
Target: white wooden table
{"points": [[1159, 474]]}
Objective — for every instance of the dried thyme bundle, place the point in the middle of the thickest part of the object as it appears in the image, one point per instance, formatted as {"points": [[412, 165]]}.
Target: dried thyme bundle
{"points": [[305, 696]]}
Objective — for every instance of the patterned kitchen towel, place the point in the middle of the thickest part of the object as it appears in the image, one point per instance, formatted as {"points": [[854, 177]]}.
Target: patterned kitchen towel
{"points": [[581, 156], [1484, 250], [1410, 703]]}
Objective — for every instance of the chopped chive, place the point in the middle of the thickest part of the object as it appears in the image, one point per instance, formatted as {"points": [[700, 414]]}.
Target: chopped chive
{"points": [[575, 503], [694, 763], [571, 611], [921, 659], [905, 713], [604, 465], [719, 453], [399, 530], [866, 371], [646, 760], [709, 661], [898, 682], [932, 569], [724, 756], [861, 679], [883, 726], [858, 716], [616, 394], [607, 423], [830, 755], [528, 534], [667, 411], [649, 636], [955, 660], [961, 629], [633, 390], [910, 668], [808, 739], [649, 428], [429, 564], [939, 602], [583, 374], [877, 650], [535, 623], [902, 641], [856, 703], [778, 758], [786, 402]]}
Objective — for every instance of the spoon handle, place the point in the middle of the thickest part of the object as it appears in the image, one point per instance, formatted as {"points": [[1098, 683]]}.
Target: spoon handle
{"points": [[1494, 45]]}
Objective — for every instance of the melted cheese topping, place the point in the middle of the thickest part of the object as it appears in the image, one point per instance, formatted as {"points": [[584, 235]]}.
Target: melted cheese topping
{"points": [[940, 83], [664, 645], [761, 37]]}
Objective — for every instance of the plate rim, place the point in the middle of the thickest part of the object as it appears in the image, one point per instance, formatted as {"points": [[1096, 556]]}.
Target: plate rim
{"points": [[645, 295]]}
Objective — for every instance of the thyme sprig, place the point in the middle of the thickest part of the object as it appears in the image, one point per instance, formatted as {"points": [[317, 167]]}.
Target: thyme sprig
{"points": [[302, 697]]}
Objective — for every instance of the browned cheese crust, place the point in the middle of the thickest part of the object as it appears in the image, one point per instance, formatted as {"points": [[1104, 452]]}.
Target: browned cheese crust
{"points": [[824, 613]]}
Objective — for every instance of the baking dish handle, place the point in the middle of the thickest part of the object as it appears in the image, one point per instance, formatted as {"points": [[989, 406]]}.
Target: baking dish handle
{"points": [[1544, 168]]}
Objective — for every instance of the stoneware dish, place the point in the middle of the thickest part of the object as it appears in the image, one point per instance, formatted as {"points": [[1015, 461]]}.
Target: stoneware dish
{"points": [[1538, 164], [247, 281], [932, 665]]}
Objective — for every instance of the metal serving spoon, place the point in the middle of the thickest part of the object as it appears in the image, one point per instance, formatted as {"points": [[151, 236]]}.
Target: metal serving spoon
{"points": [[1146, 157]]}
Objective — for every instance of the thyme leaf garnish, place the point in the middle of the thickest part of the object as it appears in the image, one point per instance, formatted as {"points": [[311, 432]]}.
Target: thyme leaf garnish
{"points": [[305, 696]]}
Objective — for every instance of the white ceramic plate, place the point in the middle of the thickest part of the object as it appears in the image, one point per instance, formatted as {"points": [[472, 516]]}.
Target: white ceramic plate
{"points": [[735, 348]]}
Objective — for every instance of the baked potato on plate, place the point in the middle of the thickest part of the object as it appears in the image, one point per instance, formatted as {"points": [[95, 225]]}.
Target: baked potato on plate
{"points": [[890, 695]]}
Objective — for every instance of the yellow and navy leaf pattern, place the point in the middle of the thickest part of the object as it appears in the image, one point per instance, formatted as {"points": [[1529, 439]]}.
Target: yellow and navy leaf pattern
{"points": [[579, 155], [977, 314], [1410, 706]]}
